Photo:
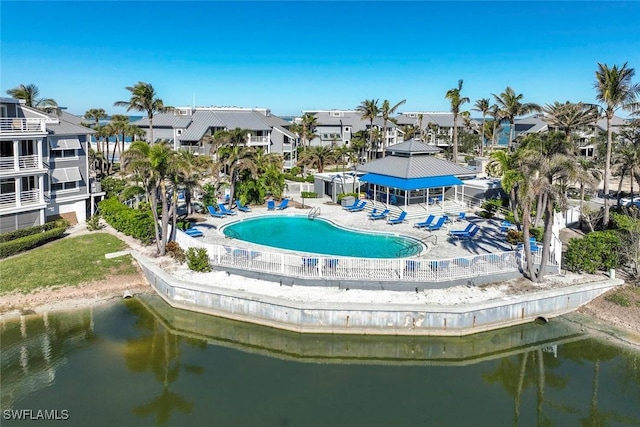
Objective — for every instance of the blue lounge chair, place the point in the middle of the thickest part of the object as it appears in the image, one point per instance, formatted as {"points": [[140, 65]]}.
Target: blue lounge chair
{"points": [[412, 265], [462, 262], [468, 234], [399, 219], [439, 265], [426, 222], [331, 263], [271, 205], [357, 207], [374, 212], [226, 211], [438, 225], [193, 232], [283, 205], [505, 226], [356, 202], [214, 213], [241, 207], [461, 216], [309, 263], [466, 230], [381, 215]]}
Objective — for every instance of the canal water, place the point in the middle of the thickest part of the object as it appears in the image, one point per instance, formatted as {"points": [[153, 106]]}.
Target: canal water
{"points": [[139, 362]]}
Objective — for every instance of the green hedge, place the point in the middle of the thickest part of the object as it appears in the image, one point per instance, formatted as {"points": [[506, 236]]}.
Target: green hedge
{"points": [[309, 194], [136, 223], [343, 195], [598, 250], [24, 232], [15, 246]]}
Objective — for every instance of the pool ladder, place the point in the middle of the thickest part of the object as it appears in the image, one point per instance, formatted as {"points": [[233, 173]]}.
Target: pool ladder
{"points": [[314, 212]]}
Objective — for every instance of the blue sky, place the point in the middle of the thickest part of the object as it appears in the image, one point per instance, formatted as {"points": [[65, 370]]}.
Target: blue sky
{"points": [[289, 56]]}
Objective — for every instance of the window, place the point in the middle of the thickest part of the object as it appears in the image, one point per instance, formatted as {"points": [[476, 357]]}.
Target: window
{"points": [[6, 149], [27, 148], [3, 111], [57, 154], [64, 186], [29, 183], [7, 186]]}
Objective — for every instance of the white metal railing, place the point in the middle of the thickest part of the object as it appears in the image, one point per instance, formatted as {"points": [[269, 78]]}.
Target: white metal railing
{"points": [[7, 163], [30, 197], [20, 125], [7, 200], [28, 162], [258, 140], [345, 268]]}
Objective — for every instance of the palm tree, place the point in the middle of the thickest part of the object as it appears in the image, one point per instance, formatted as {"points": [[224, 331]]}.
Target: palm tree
{"points": [[118, 124], [569, 116], [309, 124], [453, 95], [29, 93], [614, 88], [511, 106], [234, 156], [318, 157], [627, 160], [144, 99], [482, 105], [409, 131], [496, 115], [504, 165], [387, 111], [97, 114], [369, 110], [587, 175]]}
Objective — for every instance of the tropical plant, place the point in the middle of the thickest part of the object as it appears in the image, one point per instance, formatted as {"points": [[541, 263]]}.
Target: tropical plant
{"points": [[309, 125], [386, 112], [29, 93], [144, 99], [587, 176], [317, 157], [482, 105], [369, 110], [511, 106], [234, 157], [615, 89], [569, 116], [453, 95], [96, 114]]}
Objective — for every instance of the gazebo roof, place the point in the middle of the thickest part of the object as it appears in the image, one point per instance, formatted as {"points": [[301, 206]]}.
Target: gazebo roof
{"points": [[412, 147], [409, 167]]}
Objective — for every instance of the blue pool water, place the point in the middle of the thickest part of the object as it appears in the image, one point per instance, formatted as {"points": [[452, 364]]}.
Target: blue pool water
{"points": [[298, 233]]}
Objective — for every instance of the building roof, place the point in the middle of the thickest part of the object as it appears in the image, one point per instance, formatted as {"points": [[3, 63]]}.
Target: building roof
{"points": [[413, 146], [418, 166], [250, 120], [199, 123]]}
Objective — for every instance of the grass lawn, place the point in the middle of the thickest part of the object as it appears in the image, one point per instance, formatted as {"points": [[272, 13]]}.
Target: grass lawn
{"points": [[65, 262]]}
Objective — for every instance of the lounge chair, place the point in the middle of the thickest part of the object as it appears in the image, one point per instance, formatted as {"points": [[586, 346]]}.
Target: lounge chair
{"points": [[214, 213], [331, 263], [505, 226], [193, 232], [399, 219], [462, 262], [439, 265], [309, 263], [357, 207], [467, 234], [381, 215], [355, 204], [374, 212], [466, 230], [226, 211], [412, 265], [426, 222], [461, 216], [438, 225], [241, 207], [271, 205], [283, 205]]}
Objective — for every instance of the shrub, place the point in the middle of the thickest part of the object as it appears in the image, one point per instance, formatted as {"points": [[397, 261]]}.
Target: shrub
{"points": [[343, 195], [491, 206], [599, 250], [136, 223], [198, 260], [93, 223], [31, 241], [619, 299], [309, 194], [24, 232], [176, 252], [113, 186]]}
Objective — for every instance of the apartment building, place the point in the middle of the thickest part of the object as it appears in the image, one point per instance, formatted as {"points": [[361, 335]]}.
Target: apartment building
{"points": [[44, 171]]}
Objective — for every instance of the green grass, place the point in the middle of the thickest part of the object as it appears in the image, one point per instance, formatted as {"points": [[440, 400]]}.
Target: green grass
{"points": [[66, 262], [619, 298]]}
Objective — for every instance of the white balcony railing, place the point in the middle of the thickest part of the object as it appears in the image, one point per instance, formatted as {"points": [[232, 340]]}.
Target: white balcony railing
{"points": [[30, 197], [24, 162], [258, 140], [13, 125]]}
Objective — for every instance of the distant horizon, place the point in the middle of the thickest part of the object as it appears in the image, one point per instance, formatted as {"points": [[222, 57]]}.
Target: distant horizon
{"points": [[292, 56]]}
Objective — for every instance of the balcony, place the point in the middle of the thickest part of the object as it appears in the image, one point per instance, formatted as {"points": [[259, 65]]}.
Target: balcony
{"points": [[257, 140], [17, 126], [27, 198], [8, 164]]}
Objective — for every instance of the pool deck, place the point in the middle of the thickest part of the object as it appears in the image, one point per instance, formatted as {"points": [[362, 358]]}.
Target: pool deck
{"points": [[439, 245]]}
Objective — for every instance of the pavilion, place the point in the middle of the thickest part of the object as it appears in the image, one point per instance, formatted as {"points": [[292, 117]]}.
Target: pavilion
{"points": [[411, 174]]}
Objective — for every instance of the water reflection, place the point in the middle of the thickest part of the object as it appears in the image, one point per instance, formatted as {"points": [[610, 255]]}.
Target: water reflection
{"points": [[140, 361]]}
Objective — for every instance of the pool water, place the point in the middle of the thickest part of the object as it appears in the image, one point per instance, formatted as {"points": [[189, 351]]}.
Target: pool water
{"points": [[299, 233]]}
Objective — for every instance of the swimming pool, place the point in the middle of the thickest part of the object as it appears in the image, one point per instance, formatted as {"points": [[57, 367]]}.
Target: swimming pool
{"points": [[319, 236]]}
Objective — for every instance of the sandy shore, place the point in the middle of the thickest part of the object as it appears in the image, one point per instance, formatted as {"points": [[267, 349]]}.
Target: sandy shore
{"points": [[601, 316]]}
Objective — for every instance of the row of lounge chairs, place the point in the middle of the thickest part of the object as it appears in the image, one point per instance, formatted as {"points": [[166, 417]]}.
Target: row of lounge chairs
{"points": [[222, 211]]}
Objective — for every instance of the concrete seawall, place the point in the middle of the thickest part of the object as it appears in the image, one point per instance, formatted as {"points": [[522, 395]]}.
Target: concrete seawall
{"points": [[361, 318]]}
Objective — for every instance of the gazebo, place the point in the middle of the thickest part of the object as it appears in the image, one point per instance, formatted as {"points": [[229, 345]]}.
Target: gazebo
{"points": [[411, 174]]}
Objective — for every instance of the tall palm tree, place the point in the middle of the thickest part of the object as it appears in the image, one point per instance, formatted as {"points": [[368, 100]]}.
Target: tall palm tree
{"points": [[627, 160], [482, 105], [569, 116], [234, 157], [511, 106], [96, 114], [29, 93], [369, 110], [615, 89], [309, 125], [144, 99], [453, 95], [318, 157], [118, 124], [587, 176], [387, 111], [496, 115]]}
